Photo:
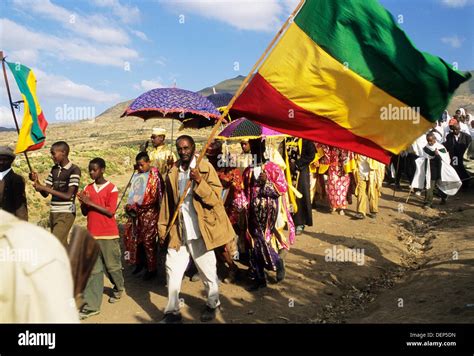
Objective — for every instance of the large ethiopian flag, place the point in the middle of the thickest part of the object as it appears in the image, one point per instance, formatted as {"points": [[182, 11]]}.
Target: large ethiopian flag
{"points": [[346, 75], [33, 126]]}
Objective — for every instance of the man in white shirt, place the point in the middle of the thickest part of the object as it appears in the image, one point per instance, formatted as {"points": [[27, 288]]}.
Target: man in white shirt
{"points": [[202, 225]]}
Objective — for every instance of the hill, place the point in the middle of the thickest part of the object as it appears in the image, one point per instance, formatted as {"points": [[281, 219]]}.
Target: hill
{"points": [[6, 129], [228, 85]]}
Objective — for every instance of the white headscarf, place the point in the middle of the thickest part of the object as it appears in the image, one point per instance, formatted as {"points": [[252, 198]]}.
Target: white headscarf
{"points": [[445, 116]]}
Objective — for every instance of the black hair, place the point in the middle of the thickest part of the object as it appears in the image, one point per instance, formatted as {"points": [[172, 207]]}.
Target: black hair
{"points": [[217, 144], [430, 134], [99, 161], [188, 138], [142, 156], [61, 145], [257, 147]]}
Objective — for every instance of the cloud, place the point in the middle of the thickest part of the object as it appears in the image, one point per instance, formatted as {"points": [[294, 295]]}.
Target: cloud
{"points": [[6, 118], [126, 13], [291, 5], [262, 15], [140, 35], [457, 3], [149, 84], [161, 61], [24, 56], [53, 86], [453, 41], [95, 27], [77, 49]]}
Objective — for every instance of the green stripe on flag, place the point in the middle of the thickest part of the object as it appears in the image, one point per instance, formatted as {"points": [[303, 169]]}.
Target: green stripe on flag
{"points": [[21, 73], [364, 37]]}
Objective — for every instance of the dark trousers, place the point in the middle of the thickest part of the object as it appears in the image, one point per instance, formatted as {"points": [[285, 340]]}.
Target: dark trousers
{"points": [[429, 194], [110, 263]]}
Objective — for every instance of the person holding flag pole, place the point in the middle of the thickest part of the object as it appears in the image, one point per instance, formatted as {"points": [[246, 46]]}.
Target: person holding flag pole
{"points": [[210, 313]]}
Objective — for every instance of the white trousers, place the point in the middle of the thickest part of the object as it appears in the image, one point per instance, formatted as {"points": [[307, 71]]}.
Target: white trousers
{"points": [[176, 263]]}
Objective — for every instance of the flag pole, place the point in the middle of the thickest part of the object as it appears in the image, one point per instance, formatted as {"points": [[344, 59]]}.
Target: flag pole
{"points": [[11, 106], [227, 109]]}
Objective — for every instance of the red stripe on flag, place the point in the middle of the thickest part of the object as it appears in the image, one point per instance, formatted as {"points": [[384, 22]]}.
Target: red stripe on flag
{"points": [[262, 103], [43, 124]]}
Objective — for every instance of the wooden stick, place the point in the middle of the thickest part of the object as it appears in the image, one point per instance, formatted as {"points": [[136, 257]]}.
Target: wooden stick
{"points": [[11, 106], [125, 190], [227, 109], [409, 195]]}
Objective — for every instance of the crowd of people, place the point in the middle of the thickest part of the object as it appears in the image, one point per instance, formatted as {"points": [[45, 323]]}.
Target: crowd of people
{"points": [[436, 160], [248, 209]]}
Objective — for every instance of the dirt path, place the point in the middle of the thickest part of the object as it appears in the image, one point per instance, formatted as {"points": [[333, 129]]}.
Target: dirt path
{"points": [[407, 273]]}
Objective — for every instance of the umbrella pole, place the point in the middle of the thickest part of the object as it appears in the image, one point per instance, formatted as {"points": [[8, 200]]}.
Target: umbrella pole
{"points": [[172, 135], [227, 109], [125, 190]]}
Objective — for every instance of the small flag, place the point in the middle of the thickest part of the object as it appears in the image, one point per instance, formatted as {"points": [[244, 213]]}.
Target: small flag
{"points": [[33, 127], [344, 74]]}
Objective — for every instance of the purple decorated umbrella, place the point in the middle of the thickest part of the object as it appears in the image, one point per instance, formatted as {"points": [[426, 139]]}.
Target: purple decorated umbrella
{"points": [[191, 108], [244, 129]]}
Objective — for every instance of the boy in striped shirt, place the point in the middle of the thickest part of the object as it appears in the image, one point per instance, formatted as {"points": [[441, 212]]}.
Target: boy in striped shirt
{"points": [[98, 203], [62, 184]]}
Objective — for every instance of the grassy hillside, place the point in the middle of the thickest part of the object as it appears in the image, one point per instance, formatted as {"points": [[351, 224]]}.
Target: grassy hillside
{"points": [[229, 86]]}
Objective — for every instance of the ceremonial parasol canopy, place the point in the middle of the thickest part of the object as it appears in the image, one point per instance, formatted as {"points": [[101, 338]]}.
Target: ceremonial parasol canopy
{"points": [[244, 129], [220, 100], [191, 108]]}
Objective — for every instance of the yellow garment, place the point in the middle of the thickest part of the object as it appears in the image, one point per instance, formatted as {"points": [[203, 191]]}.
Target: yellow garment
{"points": [[158, 157], [371, 188], [291, 194], [315, 166], [351, 165], [365, 192], [282, 219]]}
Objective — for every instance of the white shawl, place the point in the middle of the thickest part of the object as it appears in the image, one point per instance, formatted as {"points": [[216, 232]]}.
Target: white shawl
{"points": [[449, 182]]}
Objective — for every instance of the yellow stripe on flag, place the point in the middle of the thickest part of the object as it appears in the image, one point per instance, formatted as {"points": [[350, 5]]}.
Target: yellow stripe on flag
{"points": [[24, 137], [312, 79]]}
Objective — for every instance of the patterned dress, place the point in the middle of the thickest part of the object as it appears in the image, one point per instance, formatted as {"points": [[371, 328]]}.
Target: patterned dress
{"points": [[142, 226], [338, 182], [262, 215], [234, 198]]}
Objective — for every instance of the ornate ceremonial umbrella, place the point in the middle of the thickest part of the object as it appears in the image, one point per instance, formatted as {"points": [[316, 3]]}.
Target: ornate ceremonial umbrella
{"points": [[244, 129], [191, 108]]}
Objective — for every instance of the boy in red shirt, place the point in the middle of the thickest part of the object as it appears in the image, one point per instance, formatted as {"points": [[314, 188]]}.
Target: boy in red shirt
{"points": [[98, 203]]}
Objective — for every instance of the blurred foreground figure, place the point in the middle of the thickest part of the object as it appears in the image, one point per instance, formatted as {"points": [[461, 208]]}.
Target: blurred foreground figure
{"points": [[35, 275]]}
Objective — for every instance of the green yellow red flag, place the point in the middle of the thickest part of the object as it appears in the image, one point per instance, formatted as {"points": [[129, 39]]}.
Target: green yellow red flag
{"points": [[345, 74], [32, 133]]}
